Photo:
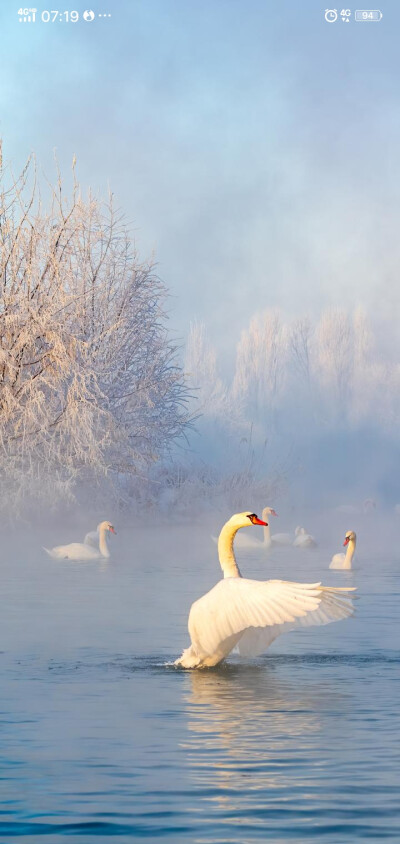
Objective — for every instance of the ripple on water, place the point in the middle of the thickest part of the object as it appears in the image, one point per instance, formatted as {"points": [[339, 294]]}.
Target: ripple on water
{"points": [[102, 737]]}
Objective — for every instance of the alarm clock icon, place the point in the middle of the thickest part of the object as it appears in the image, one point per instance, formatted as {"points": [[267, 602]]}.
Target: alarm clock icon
{"points": [[331, 15]]}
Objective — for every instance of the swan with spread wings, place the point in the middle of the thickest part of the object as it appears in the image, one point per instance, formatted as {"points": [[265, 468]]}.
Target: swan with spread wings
{"points": [[250, 614]]}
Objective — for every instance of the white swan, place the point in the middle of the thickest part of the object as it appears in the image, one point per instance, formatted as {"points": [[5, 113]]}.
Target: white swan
{"points": [[82, 550], [252, 613], [303, 539], [277, 539], [343, 561], [93, 537]]}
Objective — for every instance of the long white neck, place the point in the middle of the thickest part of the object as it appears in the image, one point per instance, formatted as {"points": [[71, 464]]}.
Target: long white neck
{"points": [[225, 551], [266, 529], [351, 547], [103, 543], [267, 535]]}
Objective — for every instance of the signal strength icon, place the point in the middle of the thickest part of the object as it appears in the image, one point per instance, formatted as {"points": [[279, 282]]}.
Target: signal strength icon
{"points": [[27, 15]]}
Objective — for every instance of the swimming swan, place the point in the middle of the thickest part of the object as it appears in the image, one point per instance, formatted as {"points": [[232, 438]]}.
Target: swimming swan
{"points": [[93, 537], [276, 540], [252, 613], [83, 551], [343, 561], [303, 539]]}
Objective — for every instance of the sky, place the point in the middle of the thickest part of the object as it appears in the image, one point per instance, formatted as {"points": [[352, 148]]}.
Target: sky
{"points": [[252, 145]]}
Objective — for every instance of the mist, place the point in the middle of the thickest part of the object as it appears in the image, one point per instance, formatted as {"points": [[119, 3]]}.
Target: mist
{"points": [[256, 154], [199, 310], [309, 413]]}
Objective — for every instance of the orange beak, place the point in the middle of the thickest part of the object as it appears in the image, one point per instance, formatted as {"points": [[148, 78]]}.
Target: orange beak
{"points": [[259, 522], [346, 541]]}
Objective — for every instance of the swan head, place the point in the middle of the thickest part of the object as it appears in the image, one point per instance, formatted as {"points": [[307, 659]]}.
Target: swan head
{"points": [[240, 520], [268, 511], [349, 537], [106, 526]]}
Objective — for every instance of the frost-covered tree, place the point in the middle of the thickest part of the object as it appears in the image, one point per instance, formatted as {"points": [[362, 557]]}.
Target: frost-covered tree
{"points": [[261, 365], [299, 390], [300, 349], [348, 373], [202, 373], [89, 381], [366, 369], [218, 421], [334, 361]]}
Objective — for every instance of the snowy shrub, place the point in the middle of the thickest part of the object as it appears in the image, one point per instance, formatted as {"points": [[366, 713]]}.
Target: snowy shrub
{"points": [[260, 372], [298, 390], [90, 387]]}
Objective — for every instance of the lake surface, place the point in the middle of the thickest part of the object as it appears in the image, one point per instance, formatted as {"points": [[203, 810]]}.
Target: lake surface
{"points": [[101, 737]]}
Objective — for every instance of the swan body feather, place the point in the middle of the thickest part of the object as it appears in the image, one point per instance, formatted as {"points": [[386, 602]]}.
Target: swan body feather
{"points": [[344, 561], [250, 614], [243, 540], [74, 551], [303, 539], [92, 538], [95, 549]]}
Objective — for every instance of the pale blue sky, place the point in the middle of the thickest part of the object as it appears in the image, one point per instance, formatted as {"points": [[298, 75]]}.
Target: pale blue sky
{"points": [[254, 147]]}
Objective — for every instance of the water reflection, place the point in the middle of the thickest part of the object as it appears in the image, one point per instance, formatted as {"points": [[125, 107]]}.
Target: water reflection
{"points": [[249, 731]]}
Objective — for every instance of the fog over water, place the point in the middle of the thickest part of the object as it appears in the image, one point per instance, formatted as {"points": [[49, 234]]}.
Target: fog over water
{"points": [[102, 737], [252, 150]]}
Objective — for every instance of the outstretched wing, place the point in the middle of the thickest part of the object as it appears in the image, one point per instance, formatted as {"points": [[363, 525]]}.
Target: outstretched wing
{"points": [[258, 611]]}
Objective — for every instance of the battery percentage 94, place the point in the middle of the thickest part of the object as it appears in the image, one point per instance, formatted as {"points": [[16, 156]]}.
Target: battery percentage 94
{"points": [[368, 15]]}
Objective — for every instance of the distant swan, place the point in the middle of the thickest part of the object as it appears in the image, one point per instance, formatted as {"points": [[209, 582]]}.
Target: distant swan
{"points": [[303, 539], [343, 561], [252, 613], [277, 539], [93, 537], [83, 550]]}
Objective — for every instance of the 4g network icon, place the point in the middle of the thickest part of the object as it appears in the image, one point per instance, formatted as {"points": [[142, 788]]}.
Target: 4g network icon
{"points": [[331, 15]]}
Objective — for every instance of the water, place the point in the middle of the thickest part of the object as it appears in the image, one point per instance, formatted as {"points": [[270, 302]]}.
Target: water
{"points": [[101, 738]]}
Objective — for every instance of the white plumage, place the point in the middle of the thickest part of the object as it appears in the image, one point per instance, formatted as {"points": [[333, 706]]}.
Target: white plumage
{"points": [[92, 538], [276, 540], [303, 539], [344, 561], [94, 546], [252, 613]]}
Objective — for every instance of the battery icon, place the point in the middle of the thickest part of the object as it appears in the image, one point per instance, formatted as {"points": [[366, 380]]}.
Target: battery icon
{"points": [[368, 15]]}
